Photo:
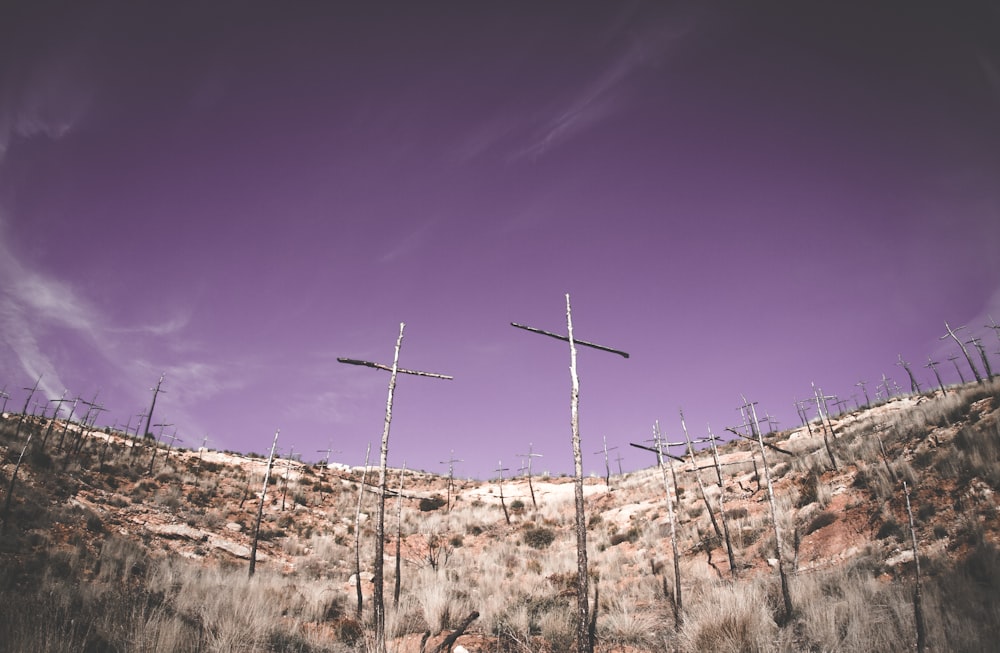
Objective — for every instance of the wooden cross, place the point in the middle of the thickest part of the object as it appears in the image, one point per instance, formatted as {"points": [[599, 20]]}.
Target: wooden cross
{"points": [[951, 334], [503, 504], [864, 388], [149, 416], [932, 364], [31, 393], [531, 488], [583, 639], [451, 474], [954, 361], [607, 462], [5, 397], [978, 344], [394, 369], [914, 386]]}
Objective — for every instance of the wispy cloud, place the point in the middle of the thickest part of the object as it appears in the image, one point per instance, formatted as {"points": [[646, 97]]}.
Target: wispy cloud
{"points": [[606, 93]]}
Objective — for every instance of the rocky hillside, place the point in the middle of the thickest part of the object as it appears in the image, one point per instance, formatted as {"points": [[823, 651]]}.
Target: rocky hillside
{"points": [[105, 548]]}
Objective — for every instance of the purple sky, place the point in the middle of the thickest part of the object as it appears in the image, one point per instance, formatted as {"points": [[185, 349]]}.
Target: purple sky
{"points": [[746, 200]]}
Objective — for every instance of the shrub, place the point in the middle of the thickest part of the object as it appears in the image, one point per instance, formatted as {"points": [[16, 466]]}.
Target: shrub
{"points": [[889, 528], [516, 507], [539, 538], [822, 519], [427, 504]]}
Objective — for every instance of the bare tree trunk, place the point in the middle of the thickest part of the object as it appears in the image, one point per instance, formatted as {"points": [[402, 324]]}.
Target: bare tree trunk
{"points": [[357, 533], [260, 508]]}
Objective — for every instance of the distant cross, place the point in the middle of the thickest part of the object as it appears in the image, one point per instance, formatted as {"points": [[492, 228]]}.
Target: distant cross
{"points": [[823, 415], [932, 364], [886, 385], [31, 393], [864, 388], [152, 459], [503, 504], [55, 413], [993, 325], [204, 446], [954, 360], [978, 344], [840, 404], [607, 462], [451, 474], [528, 456], [377, 594], [801, 411], [5, 397], [951, 334], [173, 438], [149, 416], [914, 386], [772, 423], [618, 459], [582, 599]]}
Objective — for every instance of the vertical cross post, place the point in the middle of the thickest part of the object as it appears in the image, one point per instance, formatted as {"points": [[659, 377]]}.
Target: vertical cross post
{"points": [[149, 416], [864, 388], [820, 402], [260, 508], [750, 407], [394, 370], [932, 364], [583, 639], [978, 344], [5, 397], [954, 361], [503, 504], [607, 462]]}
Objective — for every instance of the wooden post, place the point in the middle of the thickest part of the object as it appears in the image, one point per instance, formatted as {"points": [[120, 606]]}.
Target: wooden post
{"points": [[149, 416], [697, 476], [933, 365], [607, 462], [826, 439], [671, 518], [378, 593], [284, 480], [914, 386], [13, 479], [501, 469], [399, 537], [24, 411], [531, 488], [5, 397], [774, 513], [722, 504], [260, 507], [451, 474], [357, 533], [952, 334], [978, 344], [918, 611], [582, 591]]}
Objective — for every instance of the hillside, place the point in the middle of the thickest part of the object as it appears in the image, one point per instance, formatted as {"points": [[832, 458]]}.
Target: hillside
{"points": [[98, 553]]}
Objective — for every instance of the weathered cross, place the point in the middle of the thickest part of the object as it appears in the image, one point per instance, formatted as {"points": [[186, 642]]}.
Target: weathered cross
{"points": [[607, 462], [978, 344], [31, 393], [149, 416], [531, 488], [914, 386], [932, 364], [451, 474], [394, 369], [951, 334], [583, 640]]}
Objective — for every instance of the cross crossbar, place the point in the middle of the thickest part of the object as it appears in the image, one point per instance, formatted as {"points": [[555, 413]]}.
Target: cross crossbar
{"points": [[388, 368], [582, 343]]}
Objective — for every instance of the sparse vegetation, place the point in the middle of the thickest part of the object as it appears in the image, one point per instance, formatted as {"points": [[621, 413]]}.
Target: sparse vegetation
{"points": [[103, 558]]}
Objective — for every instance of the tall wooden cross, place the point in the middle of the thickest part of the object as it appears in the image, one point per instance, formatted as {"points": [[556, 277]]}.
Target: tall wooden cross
{"points": [[394, 369], [583, 639], [952, 334]]}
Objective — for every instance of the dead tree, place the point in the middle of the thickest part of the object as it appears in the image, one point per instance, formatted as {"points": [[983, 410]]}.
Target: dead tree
{"points": [[531, 488], [918, 611], [451, 474], [503, 504], [677, 601], [952, 334], [582, 592], [932, 364], [357, 532], [786, 597], [260, 506], [394, 370]]}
